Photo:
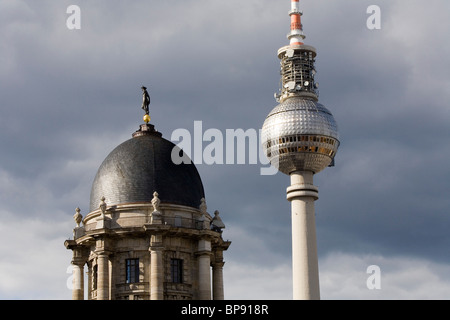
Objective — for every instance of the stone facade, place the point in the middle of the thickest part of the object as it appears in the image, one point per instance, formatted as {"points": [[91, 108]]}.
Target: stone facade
{"points": [[146, 251]]}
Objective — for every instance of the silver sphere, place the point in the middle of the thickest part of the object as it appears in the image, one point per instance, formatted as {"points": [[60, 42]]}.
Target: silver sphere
{"points": [[300, 135]]}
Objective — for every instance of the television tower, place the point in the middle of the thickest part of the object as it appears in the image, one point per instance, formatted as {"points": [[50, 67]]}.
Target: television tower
{"points": [[300, 138]]}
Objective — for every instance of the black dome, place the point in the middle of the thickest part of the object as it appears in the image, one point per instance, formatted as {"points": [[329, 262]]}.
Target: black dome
{"points": [[142, 165]]}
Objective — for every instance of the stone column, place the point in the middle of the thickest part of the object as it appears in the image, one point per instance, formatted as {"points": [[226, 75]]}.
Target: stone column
{"points": [[156, 268], [102, 275], [204, 269], [157, 275], [218, 293], [302, 194], [78, 279]]}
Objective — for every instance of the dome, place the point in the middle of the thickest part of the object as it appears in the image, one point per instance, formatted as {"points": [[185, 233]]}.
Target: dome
{"points": [[300, 135], [138, 167]]}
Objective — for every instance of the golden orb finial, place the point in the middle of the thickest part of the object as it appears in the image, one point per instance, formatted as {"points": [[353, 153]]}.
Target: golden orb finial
{"points": [[146, 118]]}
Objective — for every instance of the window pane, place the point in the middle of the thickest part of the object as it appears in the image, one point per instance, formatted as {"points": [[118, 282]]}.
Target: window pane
{"points": [[176, 270], [132, 270], [94, 276]]}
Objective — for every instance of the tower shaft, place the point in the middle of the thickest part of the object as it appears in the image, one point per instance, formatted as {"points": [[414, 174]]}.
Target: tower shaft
{"points": [[305, 268]]}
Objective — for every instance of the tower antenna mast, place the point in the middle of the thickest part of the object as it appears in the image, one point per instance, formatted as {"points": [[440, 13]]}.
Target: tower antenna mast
{"points": [[296, 35]]}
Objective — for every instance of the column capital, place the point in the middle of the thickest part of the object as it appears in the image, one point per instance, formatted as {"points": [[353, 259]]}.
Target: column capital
{"points": [[155, 249], [79, 261], [204, 253], [218, 264], [156, 242], [102, 252], [79, 255]]}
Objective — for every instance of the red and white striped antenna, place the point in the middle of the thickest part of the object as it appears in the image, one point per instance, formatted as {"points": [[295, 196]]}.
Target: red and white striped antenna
{"points": [[296, 35]]}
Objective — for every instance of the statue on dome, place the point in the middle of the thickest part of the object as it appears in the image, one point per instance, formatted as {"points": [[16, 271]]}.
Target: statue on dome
{"points": [[145, 104], [145, 99]]}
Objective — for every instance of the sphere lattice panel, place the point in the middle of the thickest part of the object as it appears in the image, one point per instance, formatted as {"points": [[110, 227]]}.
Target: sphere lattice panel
{"points": [[300, 135]]}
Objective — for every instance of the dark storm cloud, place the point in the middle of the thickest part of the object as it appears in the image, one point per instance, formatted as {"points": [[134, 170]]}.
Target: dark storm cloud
{"points": [[387, 192]]}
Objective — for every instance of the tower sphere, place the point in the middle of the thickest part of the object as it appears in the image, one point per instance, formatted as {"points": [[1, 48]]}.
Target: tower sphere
{"points": [[300, 134]]}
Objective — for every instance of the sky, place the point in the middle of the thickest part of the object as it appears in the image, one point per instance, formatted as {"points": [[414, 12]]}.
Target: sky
{"points": [[69, 96]]}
